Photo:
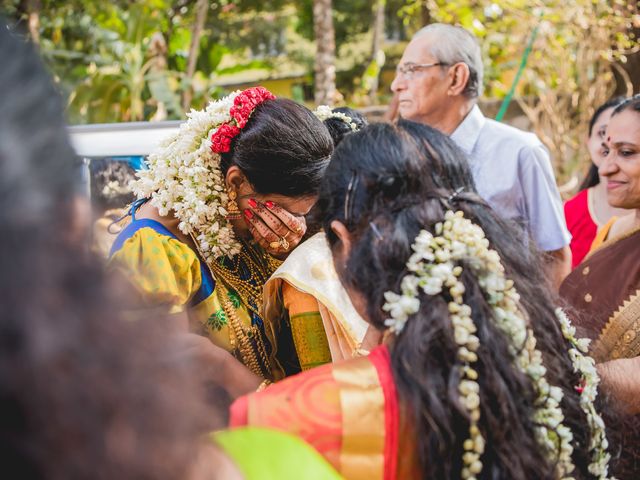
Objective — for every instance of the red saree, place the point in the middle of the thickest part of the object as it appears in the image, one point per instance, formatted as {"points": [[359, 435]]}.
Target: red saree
{"points": [[347, 411]]}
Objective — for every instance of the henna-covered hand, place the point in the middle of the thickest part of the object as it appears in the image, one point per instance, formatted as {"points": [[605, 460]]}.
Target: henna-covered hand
{"points": [[274, 228]]}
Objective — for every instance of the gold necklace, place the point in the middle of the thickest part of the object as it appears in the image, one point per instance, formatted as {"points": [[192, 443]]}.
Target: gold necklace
{"points": [[260, 265], [240, 341]]}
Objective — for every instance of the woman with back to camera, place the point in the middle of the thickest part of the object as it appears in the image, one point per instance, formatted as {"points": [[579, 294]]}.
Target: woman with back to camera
{"points": [[465, 384], [222, 203], [589, 209]]}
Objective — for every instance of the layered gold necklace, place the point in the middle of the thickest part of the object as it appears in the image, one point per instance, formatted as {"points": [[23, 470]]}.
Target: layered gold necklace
{"points": [[245, 274]]}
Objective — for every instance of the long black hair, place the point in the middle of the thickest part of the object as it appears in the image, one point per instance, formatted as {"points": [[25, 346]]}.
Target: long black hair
{"points": [[592, 178], [283, 149], [385, 184], [83, 393]]}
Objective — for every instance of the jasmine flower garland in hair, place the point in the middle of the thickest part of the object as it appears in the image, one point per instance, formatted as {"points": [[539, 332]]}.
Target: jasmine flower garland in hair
{"points": [[184, 175], [324, 112], [434, 270], [433, 267], [588, 390]]}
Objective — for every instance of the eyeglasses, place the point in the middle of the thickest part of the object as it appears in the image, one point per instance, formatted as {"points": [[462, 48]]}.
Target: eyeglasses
{"points": [[408, 70]]}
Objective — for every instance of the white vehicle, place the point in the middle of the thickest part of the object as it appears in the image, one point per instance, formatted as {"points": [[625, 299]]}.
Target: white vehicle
{"points": [[123, 145], [120, 139], [111, 153]]}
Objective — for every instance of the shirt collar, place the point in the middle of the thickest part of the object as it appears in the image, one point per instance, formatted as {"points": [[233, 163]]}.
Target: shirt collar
{"points": [[468, 131]]}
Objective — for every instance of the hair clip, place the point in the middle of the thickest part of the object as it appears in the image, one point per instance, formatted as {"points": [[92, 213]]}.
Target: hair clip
{"points": [[348, 200], [455, 194], [376, 232]]}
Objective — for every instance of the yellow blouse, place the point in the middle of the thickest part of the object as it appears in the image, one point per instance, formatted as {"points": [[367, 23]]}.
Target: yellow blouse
{"points": [[166, 271]]}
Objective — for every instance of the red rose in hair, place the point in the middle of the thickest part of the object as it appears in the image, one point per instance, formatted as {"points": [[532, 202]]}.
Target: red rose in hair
{"points": [[221, 138], [246, 101], [243, 105]]}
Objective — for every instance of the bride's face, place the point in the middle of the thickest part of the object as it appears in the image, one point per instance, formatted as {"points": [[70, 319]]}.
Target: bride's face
{"points": [[275, 222]]}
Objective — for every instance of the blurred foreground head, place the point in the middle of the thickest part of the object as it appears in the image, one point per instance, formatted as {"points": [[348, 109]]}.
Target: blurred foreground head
{"points": [[82, 393]]}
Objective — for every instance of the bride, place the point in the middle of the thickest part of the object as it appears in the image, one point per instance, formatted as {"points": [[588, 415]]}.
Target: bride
{"points": [[221, 205]]}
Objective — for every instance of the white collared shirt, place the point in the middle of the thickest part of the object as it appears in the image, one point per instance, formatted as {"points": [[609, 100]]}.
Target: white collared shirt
{"points": [[512, 171]]}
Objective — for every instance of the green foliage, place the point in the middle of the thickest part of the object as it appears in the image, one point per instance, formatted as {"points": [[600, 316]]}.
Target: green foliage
{"points": [[127, 60], [350, 18], [123, 60]]}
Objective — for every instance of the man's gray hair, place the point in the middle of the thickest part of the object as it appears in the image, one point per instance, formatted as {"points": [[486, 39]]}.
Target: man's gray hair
{"points": [[453, 45]]}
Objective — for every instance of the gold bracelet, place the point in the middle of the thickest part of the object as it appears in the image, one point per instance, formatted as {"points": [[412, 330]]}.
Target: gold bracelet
{"points": [[263, 385]]}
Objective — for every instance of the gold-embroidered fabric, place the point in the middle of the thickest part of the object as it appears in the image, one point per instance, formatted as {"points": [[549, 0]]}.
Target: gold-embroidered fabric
{"points": [[363, 422], [310, 340], [620, 338], [603, 295]]}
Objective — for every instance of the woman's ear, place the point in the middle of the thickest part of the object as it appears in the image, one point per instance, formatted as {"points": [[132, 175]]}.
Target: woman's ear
{"points": [[344, 248], [235, 180]]}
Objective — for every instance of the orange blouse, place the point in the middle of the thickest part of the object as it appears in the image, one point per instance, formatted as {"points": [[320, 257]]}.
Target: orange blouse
{"points": [[347, 411]]}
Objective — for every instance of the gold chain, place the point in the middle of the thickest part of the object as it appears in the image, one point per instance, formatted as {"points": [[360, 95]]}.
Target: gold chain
{"points": [[261, 265], [244, 347]]}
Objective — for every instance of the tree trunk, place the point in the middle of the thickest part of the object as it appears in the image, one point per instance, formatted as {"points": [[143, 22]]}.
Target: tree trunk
{"points": [[628, 74], [425, 13], [31, 8], [202, 7], [376, 47], [158, 51], [325, 69]]}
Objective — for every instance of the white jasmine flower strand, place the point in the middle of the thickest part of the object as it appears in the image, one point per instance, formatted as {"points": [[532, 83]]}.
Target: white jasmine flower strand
{"points": [[184, 176], [324, 112], [585, 365]]}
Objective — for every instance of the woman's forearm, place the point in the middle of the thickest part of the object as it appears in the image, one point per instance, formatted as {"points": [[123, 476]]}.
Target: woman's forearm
{"points": [[622, 379], [236, 377]]}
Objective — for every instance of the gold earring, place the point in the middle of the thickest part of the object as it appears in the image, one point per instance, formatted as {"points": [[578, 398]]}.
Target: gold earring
{"points": [[233, 212]]}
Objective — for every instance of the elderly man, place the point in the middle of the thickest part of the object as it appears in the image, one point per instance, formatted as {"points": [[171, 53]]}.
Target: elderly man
{"points": [[438, 82]]}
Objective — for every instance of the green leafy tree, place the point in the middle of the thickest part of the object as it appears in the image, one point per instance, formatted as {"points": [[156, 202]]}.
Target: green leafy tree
{"points": [[129, 60], [128, 77]]}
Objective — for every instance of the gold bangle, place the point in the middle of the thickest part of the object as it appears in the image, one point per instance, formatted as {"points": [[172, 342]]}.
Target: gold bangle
{"points": [[263, 385]]}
